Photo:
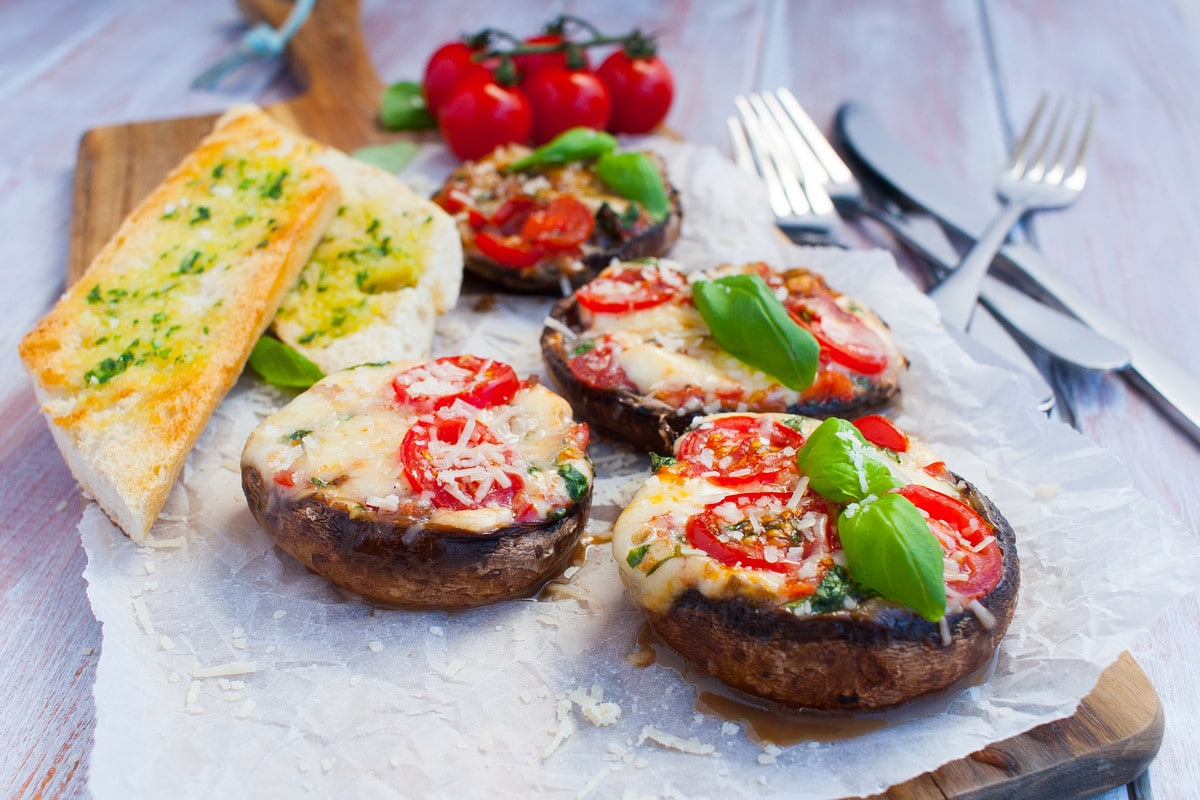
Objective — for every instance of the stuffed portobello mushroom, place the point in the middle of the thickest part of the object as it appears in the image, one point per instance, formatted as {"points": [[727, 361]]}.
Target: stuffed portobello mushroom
{"points": [[641, 351], [548, 220], [444, 484], [820, 565]]}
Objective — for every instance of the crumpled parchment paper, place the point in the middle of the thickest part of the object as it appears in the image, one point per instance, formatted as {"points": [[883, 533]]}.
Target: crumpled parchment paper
{"points": [[229, 670]]}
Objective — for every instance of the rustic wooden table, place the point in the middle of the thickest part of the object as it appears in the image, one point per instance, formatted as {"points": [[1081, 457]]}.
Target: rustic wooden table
{"points": [[950, 78]]}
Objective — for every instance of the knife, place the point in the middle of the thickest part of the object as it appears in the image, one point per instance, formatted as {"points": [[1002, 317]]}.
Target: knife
{"points": [[1175, 392]]}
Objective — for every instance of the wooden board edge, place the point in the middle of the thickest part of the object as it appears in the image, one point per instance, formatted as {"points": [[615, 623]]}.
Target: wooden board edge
{"points": [[1109, 741]]}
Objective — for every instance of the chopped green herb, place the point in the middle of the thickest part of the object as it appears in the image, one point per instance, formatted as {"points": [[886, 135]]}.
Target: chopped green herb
{"points": [[189, 264], [202, 214], [94, 295], [577, 482], [315, 481], [636, 555], [295, 436], [274, 189], [657, 462]]}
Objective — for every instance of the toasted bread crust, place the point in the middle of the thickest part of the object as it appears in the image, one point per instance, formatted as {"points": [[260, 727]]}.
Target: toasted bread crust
{"points": [[383, 232], [878, 656], [184, 311]]}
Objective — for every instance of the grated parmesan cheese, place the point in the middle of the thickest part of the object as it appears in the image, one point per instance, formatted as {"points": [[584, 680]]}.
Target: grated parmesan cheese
{"points": [[671, 741]]}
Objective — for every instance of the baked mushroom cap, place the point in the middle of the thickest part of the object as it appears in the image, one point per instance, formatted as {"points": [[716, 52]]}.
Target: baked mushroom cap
{"points": [[547, 276], [479, 189], [875, 657], [423, 500], [407, 564], [653, 425]]}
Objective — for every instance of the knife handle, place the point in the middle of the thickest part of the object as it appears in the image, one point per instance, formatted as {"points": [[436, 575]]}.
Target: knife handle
{"points": [[1174, 391]]}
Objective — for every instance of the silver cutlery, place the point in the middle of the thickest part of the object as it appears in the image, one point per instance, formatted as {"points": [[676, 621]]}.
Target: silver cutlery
{"points": [[1058, 334], [1174, 391], [1032, 180]]}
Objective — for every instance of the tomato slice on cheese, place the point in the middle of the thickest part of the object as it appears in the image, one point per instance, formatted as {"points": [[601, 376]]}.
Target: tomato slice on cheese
{"points": [[767, 531], [965, 538], [597, 367], [478, 382], [882, 432], [628, 289], [842, 337], [460, 462], [562, 224], [739, 451]]}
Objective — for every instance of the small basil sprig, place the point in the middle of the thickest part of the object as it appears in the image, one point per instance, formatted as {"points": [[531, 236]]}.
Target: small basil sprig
{"points": [[634, 177], [576, 144], [281, 365], [749, 323], [403, 108], [890, 549], [841, 466], [391, 157]]}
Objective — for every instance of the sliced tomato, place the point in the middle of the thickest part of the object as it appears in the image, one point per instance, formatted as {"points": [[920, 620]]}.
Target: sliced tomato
{"points": [[842, 336], [829, 385], [509, 251], [624, 289], [759, 531], [882, 432], [285, 478], [563, 224], [511, 214], [960, 529], [742, 451], [460, 469], [937, 469], [597, 367], [476, 381]]}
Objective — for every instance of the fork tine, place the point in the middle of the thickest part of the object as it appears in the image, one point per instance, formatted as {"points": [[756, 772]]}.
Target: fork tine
{"points": [[741, 148], [775, 149], [1058, 167], [825, 155], [780, 201], [1037, 170], [812, 175], [1019, 158], [1078, 174]]}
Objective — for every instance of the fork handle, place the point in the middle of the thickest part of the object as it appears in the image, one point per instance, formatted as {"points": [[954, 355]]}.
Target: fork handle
{"points": [[955, 296]]}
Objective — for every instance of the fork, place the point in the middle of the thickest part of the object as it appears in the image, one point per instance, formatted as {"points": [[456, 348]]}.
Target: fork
{"points": [[1030, 181], [806, 181], [777, 140]]}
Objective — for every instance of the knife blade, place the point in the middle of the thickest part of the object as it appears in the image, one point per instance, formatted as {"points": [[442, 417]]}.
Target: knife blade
{"points": [[1171, 389]]}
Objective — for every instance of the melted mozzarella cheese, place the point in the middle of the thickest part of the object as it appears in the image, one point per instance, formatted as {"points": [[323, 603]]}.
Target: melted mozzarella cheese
{"points": [[343, 438], [656, 518]]}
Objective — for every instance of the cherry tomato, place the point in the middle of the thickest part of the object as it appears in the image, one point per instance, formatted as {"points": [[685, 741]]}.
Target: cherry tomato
{"points": [[475, 381], [563, 98], [459, 475], [882, 432], [597, 367], [509, 251], [563, 224], [742, 451], [842, 336], [641, 90], [959, 528], [480, 115], [625, 289], [448, 64], [529, 64], [741, 528]]}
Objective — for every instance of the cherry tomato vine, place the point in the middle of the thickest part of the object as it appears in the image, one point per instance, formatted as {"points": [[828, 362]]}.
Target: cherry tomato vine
{"points": [[491, 88]]}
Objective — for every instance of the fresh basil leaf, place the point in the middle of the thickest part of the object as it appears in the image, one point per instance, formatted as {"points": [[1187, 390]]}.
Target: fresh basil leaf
{"points": [[403, 108], [657, 462], [889, 548], [749, 323], [577, 482], [576, 144], [841, 466], [281, 365], [831, 594], [391, 157], [634, 176]]}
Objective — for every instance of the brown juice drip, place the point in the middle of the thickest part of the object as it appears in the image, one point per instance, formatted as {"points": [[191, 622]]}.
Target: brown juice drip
{"points": [[765, 722], [645, 654]]}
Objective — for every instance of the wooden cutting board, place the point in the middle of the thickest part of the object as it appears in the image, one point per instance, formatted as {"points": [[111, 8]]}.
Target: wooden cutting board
{"points": [[1109, 741]]}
